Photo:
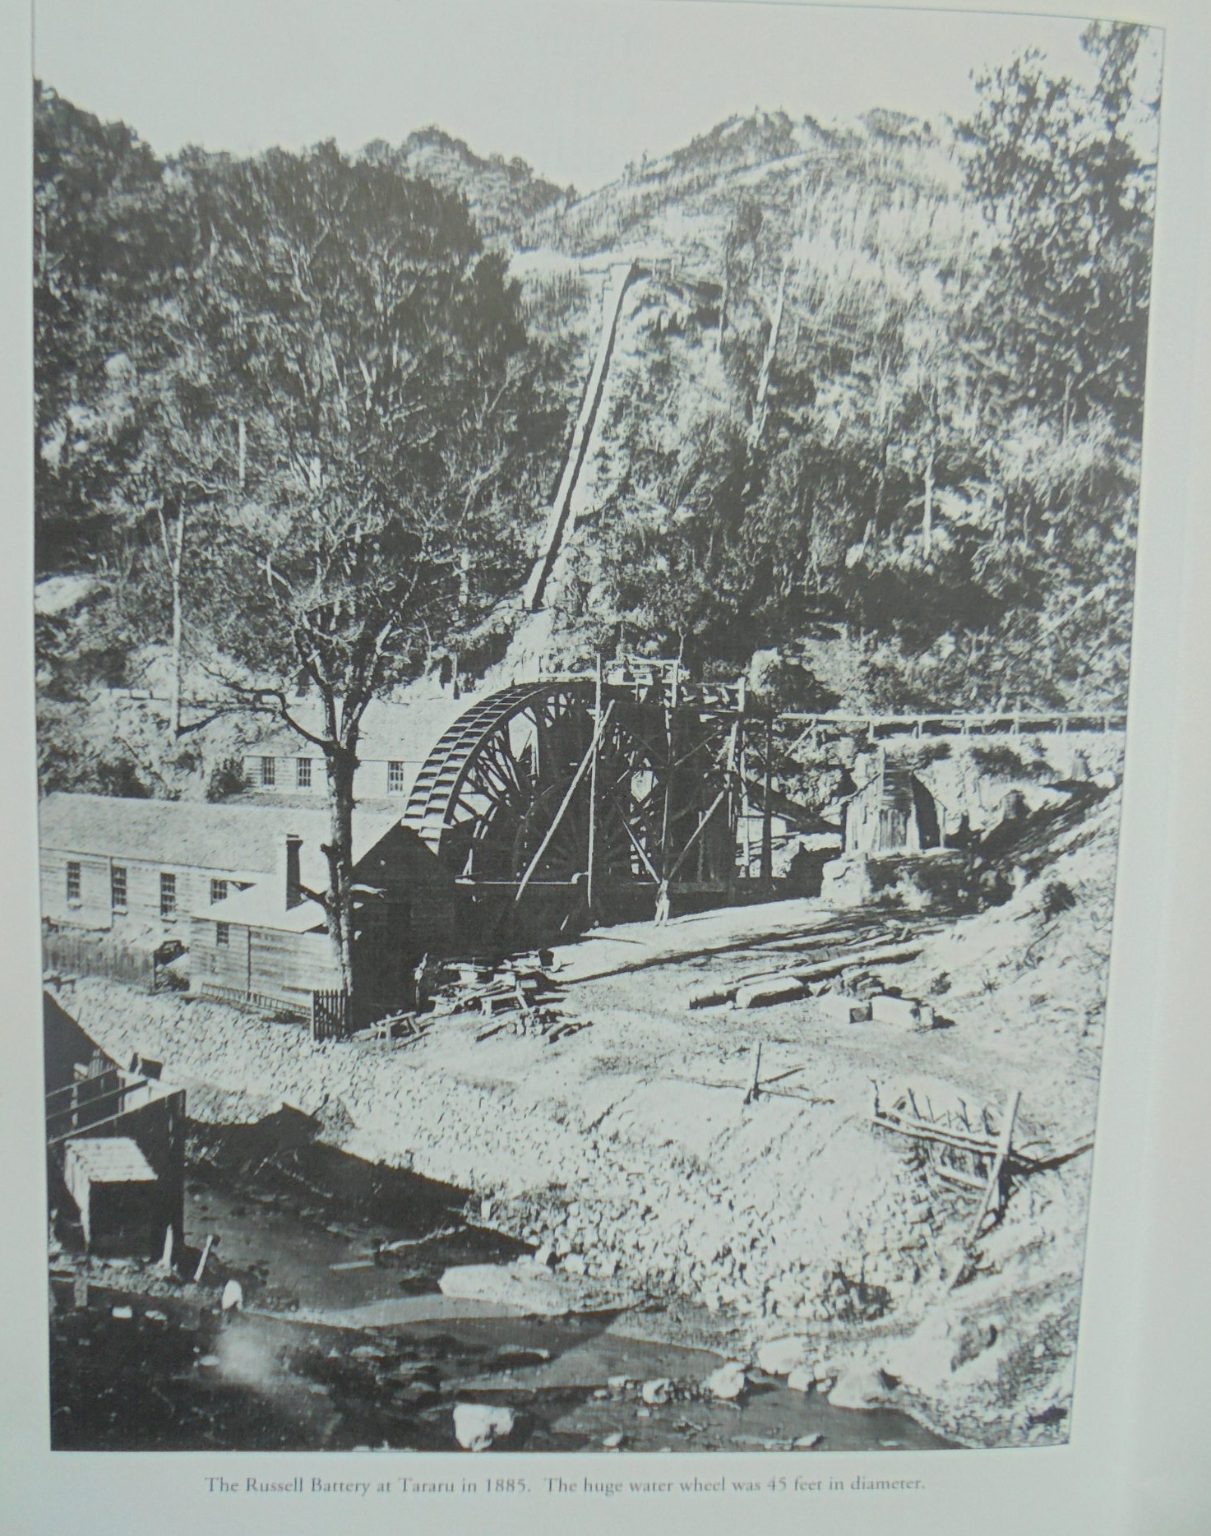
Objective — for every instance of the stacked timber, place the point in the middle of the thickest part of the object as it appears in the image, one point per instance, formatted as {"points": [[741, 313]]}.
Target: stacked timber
{"points": [[520, 994]]}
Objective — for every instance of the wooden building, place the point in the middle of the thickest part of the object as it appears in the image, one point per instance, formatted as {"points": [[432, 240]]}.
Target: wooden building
{"points": [[269, 945], [115, 1142], [395, 740], [139, 868]]}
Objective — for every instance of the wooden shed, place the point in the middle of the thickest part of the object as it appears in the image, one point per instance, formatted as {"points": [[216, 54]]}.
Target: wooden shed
{"points": [[394, 741], [269, 945], [115, 1143], [141, 867]]}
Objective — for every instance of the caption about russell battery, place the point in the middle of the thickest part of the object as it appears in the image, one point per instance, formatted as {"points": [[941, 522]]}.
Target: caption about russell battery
{"points": [[529, 1487]]}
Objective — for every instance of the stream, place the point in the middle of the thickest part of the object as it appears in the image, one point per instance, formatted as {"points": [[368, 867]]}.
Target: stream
{"points": [[345, 1341]]}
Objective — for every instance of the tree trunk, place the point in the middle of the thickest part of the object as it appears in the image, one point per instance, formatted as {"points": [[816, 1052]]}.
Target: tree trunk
{"points": [[875, 520], [174, 557], [757, 424], [341, 762], [927, 514]]}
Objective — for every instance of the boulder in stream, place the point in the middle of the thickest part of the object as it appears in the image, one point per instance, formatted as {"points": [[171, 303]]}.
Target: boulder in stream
{"points": [[523, 1285], [728, 1383], [861, 1386], [779, 1357], [478, 1426]]}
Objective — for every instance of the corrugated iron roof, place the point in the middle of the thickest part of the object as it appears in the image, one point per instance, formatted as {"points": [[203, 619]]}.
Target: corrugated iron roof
{"points": [[264, 906], [243, 838]]}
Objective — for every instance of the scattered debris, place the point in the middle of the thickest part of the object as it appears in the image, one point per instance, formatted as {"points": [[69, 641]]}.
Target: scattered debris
{"points": [[521, 990], [793, 982]]}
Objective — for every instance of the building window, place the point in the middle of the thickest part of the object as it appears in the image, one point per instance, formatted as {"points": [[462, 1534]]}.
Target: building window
{"points": [[222, 934], [218, 891], [73, 880], [168, 895], [268, 772], [395, 778], [117, 887], [302, 772]]}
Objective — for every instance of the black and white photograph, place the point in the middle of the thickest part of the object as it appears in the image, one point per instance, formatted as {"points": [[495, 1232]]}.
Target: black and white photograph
{"points": [[584, 576]]}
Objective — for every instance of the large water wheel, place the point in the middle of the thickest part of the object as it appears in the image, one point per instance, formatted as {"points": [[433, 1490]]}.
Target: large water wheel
{"points": [[549, 810]]}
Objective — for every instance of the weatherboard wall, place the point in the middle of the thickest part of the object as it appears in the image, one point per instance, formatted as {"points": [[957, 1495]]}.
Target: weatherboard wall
{"points": [[95, 907], [260, 964]]}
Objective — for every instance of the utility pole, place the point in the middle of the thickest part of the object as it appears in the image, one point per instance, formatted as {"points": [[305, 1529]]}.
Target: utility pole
{"points": [[741, 805], [591, 887], [767, 826]]}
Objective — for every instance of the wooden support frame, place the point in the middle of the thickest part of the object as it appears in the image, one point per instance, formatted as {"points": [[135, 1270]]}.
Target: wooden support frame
{"points": [[595, 750], [767, 815], [577, 777], [697, 832]]}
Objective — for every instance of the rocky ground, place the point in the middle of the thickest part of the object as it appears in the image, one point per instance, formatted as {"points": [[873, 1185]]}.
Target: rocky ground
{"points": [[632, 1150]]}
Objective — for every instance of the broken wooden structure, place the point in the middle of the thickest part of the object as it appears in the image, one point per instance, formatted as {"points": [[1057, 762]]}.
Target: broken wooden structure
{"points": [[960, 1153], [517, 995], [972, 1153]]}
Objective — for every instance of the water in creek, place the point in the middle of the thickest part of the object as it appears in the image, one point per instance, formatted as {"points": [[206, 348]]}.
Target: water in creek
{"points": [[317, 1237]]}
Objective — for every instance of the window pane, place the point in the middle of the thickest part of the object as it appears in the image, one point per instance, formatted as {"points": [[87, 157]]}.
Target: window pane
{"points": [[218, 891], [395, 778], [73, 881], [268, 772], [168, 895], [117, 886], [302, 768], [222, 933]]}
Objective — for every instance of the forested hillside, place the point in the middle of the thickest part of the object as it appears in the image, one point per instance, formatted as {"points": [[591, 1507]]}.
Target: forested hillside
{"points": [[872, 427]]}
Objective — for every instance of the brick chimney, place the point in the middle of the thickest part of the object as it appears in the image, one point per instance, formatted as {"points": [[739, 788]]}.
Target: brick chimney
{"points": [[294, 878]]}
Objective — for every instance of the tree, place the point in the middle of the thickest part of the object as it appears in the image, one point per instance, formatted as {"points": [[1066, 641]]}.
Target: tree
{"points": [[1065, 177], [189, 459], [105, 245], [375, 351]]}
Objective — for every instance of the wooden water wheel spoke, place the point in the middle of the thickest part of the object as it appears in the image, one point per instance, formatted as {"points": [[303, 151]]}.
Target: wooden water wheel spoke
{"points": [[505, 799], [498, 771]]}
